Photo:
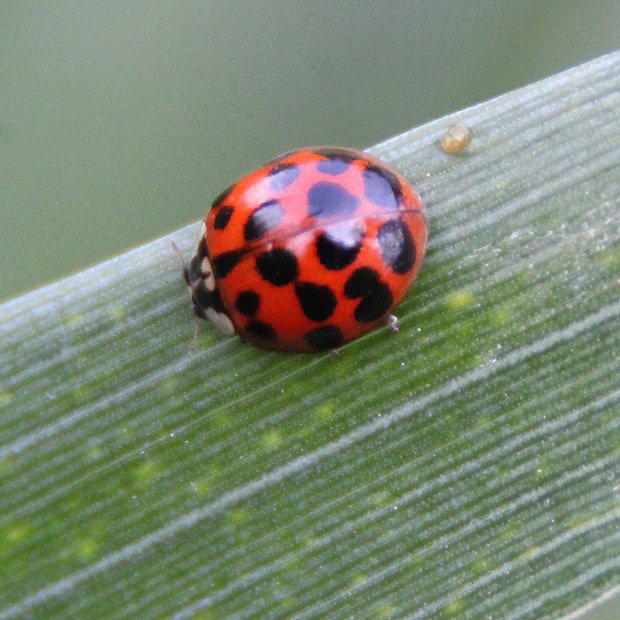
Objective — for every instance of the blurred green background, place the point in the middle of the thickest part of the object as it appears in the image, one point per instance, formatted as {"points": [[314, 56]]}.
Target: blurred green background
{"points": [[121, 120]]}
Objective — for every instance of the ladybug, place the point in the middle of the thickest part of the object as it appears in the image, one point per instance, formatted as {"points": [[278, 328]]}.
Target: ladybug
{"points": [[308, 252]]}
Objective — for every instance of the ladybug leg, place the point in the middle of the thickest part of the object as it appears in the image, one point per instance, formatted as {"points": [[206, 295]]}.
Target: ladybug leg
{"points": [[392, 323], [335, 352], [193, 344]]}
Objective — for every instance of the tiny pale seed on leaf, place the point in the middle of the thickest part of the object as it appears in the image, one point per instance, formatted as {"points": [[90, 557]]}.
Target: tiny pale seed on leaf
{"points": [[456, 139]]}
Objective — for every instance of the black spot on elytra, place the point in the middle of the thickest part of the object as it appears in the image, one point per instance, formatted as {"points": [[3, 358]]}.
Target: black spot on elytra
{"points": [[278, 266], [332, 166], [282, 175], [328, 199], [222, 218], [261, 330], [248, 302], [222, 197], [318, 302], [224, 263], [338, 246], [382, 187], [397, 246], [263, 219], [376, 295], [324, 337], [361, 282], [375, 304]]}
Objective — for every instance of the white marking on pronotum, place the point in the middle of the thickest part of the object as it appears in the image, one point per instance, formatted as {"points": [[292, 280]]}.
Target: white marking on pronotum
{"points": [[301, 463], [221, 320], [203, 229], [207, 274]]}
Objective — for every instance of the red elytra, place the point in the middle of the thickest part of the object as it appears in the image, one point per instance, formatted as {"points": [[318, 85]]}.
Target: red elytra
{"points": [[308, 252]]}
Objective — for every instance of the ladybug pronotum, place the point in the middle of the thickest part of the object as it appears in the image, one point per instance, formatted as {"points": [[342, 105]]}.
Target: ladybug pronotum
{"points": [[308, 252]]}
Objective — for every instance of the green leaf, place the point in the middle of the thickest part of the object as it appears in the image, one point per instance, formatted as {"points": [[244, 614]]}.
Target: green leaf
{"points": [[464, 467]]}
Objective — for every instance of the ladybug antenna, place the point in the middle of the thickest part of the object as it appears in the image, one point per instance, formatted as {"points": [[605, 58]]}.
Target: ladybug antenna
{"points": [[175, 247]]}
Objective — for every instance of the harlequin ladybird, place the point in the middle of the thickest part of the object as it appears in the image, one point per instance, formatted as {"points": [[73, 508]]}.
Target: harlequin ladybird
{"points": [[308, 252]]}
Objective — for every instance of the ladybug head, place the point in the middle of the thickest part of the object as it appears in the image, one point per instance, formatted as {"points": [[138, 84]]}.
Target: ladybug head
{"points": [[205, 292]]}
